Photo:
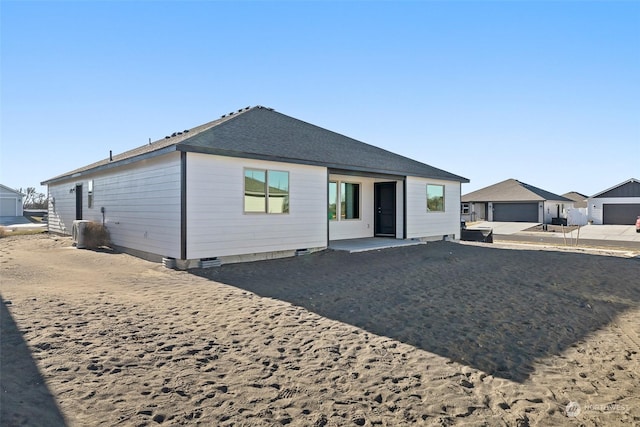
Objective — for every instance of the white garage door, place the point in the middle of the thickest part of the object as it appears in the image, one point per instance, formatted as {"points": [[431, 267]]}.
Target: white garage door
{"points": [[8, 206]]}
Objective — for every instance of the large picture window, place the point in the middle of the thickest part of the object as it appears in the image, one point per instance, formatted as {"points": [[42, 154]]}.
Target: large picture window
{"points": [[435, 198], [266, 191], [344, 201]]}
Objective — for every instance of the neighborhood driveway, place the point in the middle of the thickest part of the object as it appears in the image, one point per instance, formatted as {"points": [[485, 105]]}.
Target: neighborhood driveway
{"points": [[503, 228], [609, 232], [622, 236], [20, 222]]}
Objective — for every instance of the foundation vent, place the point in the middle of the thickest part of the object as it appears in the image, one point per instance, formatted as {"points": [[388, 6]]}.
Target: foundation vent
{"points": [[169, 262], [209, 262], [300, 252]]}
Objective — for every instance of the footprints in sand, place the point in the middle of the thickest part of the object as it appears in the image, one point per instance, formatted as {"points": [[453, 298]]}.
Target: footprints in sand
{"points": [[210, 354]]}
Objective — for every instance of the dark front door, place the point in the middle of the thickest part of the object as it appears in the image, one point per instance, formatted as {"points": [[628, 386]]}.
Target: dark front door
{"points": [[78, 201], [385, 205]]}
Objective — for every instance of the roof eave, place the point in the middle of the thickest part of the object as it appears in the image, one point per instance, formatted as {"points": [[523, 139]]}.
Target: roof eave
{"points": [[336, 166], [110, 165]]}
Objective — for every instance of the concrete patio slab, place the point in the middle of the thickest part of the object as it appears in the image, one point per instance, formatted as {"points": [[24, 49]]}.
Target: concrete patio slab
{"points": [[370, 244]]}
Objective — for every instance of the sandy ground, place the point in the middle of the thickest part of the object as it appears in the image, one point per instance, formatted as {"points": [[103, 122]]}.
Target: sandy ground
{"points": [[439, 334]]}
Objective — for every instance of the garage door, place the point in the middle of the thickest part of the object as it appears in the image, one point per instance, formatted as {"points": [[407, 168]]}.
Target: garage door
{"points": [[515, 212], [8, 206], [620, 214]]}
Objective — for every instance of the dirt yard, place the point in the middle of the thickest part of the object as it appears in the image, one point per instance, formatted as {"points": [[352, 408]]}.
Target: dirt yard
{"points": [[437, 335]]}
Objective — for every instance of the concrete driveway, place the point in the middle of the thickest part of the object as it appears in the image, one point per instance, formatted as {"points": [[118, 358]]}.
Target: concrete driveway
{"points": [[20, 222], [503, 228], [608, 232], [589, 235]]}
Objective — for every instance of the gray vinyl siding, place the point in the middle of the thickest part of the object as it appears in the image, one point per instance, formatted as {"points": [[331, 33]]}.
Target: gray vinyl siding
{"points": [[423, 224], [218, 226], [141, 203], [62, 210]]}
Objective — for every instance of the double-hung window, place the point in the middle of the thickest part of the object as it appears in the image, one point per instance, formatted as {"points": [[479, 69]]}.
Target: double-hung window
{"points": [[344, 200], [266, 191]]}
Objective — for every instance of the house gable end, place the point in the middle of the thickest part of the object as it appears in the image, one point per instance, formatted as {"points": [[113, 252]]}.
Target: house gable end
{"points": [[630, 188]]}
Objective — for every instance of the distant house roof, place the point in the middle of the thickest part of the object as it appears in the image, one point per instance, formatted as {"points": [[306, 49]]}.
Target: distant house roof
{"points": [[262, 133], [628, 188], [4, 189], [511, 190], [579, 199]]}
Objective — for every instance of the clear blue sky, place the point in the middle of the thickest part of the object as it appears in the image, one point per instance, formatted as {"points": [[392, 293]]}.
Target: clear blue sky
{"points": [[544, 92]]}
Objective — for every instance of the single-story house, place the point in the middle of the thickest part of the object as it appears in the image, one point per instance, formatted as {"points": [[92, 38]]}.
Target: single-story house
{"points": [[254, 184], [514, 201], [619, 204], [10, 202]]}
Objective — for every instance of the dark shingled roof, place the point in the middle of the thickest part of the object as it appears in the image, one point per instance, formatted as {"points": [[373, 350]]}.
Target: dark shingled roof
{"points": [[629, 188], [261, 133], [511, 190]]}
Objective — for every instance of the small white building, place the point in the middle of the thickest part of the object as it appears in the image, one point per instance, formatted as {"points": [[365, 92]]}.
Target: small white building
{"points": [[619, 204], [255, 184], [578, 214], [10, 202]]}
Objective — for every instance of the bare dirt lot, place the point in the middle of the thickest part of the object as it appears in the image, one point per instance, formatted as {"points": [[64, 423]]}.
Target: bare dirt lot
{"points": [[436, 334]]}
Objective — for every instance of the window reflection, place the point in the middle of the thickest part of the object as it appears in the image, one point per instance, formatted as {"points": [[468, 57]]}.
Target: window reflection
{"points": [[333, 200], [349, 200], [278, 192], [266, 191], [435, 198], [255, 190]]}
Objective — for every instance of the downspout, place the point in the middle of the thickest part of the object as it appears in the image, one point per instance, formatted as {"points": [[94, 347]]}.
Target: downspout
{"points": [[183, 205], [404, 208], [455, 236], [326, 205]]}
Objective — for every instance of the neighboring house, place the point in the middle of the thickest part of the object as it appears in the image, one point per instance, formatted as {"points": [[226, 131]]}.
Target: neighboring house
{"points": [[578, 214], [514, 201], [255, 184], [619, 204], [579, 199], [10, 201]]}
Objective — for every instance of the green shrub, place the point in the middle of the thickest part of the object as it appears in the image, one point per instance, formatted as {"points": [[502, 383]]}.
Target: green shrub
{"points": [[96, 235]]}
